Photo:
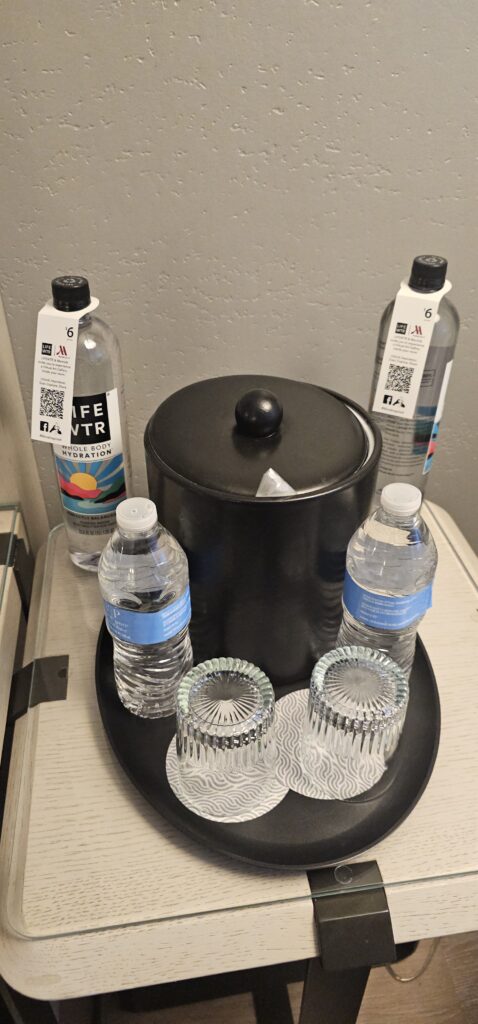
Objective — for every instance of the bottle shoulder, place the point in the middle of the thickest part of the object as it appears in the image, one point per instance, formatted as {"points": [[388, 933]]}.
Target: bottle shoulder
{"points": [[95, 338], [382, 551], [98, 358], [158, 552], [452, 312]]}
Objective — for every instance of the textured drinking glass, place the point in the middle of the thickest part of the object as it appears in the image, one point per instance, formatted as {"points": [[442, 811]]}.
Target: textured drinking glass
{"points": [[225, 718], [357, 704]]}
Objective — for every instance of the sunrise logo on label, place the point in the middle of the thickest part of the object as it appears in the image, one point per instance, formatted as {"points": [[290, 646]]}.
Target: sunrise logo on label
{"points": [[91, 488]]}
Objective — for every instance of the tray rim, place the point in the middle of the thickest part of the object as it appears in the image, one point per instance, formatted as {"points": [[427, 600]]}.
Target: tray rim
{"points": [[181, 820]]}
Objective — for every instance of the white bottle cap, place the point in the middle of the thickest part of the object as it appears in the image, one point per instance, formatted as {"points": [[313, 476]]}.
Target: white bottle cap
{"points": [[136, 515], [401, 499]]}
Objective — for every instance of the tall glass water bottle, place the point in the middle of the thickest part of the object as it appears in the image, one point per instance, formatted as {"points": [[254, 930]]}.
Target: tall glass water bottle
{"points": [[93, 471], [408, 393]]}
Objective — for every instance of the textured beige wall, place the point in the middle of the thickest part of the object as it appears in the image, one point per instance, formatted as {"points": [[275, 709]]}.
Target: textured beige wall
{"points": [[244, 183], [19, 479]]}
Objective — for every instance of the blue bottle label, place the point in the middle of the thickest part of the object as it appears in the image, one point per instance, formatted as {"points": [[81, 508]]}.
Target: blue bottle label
{"points": [[383, 612], [149, 627]]}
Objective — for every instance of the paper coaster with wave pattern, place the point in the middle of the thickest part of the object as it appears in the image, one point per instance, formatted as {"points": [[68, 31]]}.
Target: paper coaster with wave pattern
{"points": [[251, 796], [337, 780]]}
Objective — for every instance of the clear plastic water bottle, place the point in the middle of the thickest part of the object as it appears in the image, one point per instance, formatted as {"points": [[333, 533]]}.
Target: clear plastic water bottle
{"points": [[391, 563], [144, 581]]}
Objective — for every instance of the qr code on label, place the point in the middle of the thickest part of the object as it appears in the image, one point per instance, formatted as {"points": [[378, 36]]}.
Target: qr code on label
{"points": [[51, 402], [399, 378]]}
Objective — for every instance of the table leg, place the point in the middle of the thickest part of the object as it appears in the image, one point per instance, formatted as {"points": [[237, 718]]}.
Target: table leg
{"points": [[332, 997], [271, 997], [97, 1014], [23, 1010]]}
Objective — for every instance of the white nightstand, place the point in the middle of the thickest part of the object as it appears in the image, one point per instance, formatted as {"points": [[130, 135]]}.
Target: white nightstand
{"points": [[100, 894]]}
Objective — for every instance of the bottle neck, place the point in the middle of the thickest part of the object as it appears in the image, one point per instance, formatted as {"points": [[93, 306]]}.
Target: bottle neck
{"points": [[84, 321], [400, 522], [133, 535]]}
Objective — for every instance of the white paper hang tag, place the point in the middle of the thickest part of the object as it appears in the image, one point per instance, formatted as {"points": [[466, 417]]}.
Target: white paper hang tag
{"points": [[273, 486], [411, 327], [54, 372]]}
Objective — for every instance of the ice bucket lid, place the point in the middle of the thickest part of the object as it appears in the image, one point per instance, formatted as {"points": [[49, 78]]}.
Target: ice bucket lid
{"points": [[221, 435]]}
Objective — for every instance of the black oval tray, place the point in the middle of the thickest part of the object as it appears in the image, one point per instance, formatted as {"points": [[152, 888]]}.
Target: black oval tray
{"points": [[299, 833]]}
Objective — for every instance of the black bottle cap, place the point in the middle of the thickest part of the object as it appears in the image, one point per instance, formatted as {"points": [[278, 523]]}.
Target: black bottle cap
{"points": [[70, 293], [428, 273]]}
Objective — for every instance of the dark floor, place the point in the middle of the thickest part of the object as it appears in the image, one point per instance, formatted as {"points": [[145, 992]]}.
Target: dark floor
{"points": [[446, 994]]}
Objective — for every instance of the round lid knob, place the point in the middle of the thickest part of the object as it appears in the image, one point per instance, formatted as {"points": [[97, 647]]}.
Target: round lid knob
{"points": [[258, 413]]}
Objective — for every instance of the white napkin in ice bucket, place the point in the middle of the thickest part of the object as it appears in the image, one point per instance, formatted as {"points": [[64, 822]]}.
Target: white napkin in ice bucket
{"points": [[273, 486]]}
